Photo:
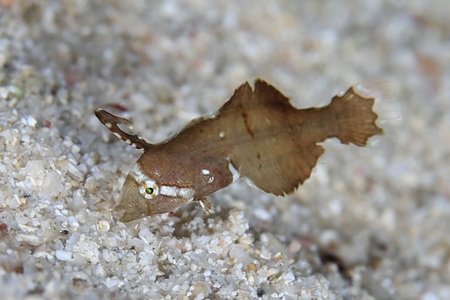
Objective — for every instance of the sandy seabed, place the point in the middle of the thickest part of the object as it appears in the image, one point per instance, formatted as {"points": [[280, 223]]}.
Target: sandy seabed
{"points": [[368, 224]]}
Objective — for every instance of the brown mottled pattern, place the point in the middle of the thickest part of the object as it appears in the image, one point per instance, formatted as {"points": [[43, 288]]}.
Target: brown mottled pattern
{"points": [[258, 131], [247, 125]]}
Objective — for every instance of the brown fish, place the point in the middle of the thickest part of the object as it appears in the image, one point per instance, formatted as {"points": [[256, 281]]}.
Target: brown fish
{"points": [[257, 135]]}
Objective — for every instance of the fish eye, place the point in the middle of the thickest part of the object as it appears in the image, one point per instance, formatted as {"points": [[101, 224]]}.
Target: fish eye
{"points": [[148, 189]]}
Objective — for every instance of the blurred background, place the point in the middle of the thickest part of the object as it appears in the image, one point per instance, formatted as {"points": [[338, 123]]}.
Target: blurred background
{"points": [[368, 224]]}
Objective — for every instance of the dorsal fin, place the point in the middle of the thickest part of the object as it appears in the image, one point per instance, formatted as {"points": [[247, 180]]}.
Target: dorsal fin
{"points": [[111, 122], [264, 94]]}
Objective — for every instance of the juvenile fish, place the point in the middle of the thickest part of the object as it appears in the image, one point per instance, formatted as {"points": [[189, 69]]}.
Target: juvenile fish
{"points": [[257, 135]]}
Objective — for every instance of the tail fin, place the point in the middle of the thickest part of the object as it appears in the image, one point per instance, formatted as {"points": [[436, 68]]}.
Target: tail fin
{"points": [[389, 110], [355, 117]]}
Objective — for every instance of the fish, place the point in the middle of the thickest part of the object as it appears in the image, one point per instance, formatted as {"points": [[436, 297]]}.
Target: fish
{"points": [[257, 135]]}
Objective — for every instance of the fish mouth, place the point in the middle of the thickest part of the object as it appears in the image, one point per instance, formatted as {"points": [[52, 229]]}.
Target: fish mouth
{"points": [[132, 205], [127, 213], [125, 216], [119, 213]]}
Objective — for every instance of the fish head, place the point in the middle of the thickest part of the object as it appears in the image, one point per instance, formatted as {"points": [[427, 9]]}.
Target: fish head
{"points": [[144, 194]]}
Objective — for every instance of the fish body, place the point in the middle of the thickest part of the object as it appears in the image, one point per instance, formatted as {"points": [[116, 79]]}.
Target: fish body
{"points": [[257, 135]]}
